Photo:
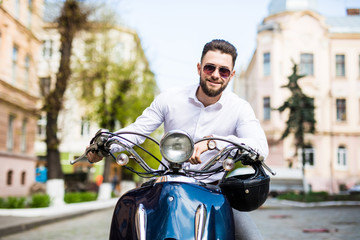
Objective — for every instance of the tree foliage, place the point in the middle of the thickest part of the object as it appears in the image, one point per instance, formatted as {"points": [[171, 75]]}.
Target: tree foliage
{"points": [[301, 109], [115, 90]]}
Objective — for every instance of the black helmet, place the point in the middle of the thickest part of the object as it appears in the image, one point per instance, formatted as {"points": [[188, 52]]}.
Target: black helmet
{"points": [[247, 192]]}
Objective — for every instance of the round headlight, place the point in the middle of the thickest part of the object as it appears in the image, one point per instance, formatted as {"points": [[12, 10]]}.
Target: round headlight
{"points": [[176, 146]]}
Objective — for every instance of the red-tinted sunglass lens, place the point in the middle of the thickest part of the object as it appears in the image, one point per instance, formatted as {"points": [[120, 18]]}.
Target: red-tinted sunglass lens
{"points": [[209, 69], [224, 72]]}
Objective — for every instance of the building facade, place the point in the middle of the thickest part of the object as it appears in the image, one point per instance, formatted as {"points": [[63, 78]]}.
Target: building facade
{"points": [[327, 51], [20, 23]]}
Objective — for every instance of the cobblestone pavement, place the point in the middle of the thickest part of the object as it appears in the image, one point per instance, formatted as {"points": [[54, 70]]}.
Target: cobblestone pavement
{"points": [[330, 223], [283, 223]]}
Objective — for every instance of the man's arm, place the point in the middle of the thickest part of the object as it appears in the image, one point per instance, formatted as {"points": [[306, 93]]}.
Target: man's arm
{"points": [[249, 132], [151, 118]]}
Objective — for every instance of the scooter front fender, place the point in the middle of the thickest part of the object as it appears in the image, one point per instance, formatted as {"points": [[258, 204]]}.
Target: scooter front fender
{"points": [[173, 210]]}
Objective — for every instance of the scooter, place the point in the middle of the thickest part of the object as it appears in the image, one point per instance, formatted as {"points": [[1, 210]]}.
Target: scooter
{"points": [[176, 203]]}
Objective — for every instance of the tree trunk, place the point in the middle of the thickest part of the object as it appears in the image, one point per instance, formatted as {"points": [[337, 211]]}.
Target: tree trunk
{"points": [[53, 106], [107, 166], [70, 21], [106, 187]]}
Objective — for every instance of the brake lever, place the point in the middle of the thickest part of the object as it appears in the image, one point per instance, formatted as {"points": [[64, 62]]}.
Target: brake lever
{"points": [[267, 168], [92, 147]]}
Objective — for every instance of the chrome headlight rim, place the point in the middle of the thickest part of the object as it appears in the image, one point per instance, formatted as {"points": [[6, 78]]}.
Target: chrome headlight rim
{"points": [[172, 134]]}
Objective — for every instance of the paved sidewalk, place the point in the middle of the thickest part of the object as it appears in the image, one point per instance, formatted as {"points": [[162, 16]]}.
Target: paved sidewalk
{"points": [[16, 220]]}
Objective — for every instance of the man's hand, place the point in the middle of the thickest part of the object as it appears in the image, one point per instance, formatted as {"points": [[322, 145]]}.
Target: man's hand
{"points": [[199, 148], [93, 157]]}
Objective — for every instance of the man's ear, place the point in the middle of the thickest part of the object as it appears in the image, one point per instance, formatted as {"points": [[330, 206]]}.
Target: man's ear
{"points": [[199, 68], [232, 74]]}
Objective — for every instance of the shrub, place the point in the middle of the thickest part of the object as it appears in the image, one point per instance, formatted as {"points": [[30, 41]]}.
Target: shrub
{"points": [[88, 196], [76, 197], [15, 202], [72, 197], [2, 203], [40, 200], [317, 197], [43, 200]]}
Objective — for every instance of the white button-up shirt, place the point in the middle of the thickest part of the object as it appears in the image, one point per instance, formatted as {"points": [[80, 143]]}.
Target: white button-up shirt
{"points": [[231, 118]]}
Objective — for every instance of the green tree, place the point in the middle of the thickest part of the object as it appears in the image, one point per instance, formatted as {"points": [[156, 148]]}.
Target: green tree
{"points": [[71, 20], [116, 90], [301, 118]]}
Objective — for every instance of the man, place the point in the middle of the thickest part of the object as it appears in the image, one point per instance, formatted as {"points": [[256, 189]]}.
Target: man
{"points": [[207, 110]]}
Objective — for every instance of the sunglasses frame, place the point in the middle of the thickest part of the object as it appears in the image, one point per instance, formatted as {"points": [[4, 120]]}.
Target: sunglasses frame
{"points": [[221, 70]]}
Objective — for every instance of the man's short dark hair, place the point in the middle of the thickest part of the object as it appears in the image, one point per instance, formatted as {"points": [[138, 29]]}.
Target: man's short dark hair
{"points": [[222, 46]]}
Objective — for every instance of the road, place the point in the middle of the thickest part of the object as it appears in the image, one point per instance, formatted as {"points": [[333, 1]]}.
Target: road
{"points": [[286, 223], [289, 223]]}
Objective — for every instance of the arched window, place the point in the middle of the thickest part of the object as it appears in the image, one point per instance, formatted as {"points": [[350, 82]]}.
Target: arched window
{"points": [[9, 177], [23, 178], [342, 156]]}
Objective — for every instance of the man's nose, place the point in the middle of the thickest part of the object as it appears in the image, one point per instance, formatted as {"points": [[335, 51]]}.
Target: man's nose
{"points": [[216, 74]]}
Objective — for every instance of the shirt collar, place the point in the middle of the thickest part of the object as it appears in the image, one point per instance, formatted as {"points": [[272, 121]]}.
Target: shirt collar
{"points": [[192, 95]]}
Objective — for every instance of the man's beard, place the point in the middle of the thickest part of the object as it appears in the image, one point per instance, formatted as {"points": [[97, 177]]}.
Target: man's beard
{"points": [[210, 92]]}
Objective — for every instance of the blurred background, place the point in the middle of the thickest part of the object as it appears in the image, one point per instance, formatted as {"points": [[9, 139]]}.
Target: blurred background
{"points": [[56, 93]]}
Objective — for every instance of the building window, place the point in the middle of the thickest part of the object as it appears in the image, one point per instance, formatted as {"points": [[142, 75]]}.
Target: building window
{"points": [[85, 126], [24, 136], [341, 110], [266, 64], [341, 156], [23, 178], [307, 64], [30, 8], [41, 124], [45, 86], [309, 157], [9, 177], [267, 108], [27, 72], [17, 9], [10, 133], [14, 63], [340, 65], [47, 48]]}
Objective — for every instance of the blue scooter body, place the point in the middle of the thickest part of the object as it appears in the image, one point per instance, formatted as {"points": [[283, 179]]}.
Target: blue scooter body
{"points": [[173, 210]]}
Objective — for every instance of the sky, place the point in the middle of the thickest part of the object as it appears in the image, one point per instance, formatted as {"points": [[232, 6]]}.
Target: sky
{"points": [[173, 32]]}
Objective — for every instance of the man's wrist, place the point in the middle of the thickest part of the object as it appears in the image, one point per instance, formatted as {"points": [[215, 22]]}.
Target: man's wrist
{"points": [[211, 144]]}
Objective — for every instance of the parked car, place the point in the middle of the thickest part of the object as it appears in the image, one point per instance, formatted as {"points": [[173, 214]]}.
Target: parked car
{"points": [[354, 190]]}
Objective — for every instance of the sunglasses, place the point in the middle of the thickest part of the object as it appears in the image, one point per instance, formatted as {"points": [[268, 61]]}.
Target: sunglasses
{"points": [[223, 71]]}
